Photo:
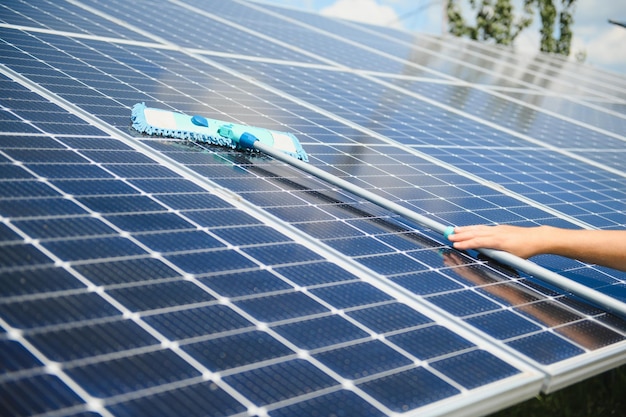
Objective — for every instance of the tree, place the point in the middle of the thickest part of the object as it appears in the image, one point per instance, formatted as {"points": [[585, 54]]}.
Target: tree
{"points": [[548, 13], [496, 20]]}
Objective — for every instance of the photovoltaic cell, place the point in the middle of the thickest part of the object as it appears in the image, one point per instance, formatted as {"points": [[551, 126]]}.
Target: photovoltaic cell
{"points": [[75, 343], [144, 275], [192, 400]]}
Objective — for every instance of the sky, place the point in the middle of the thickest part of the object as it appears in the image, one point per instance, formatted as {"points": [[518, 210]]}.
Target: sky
{"points": [[604, 43]]}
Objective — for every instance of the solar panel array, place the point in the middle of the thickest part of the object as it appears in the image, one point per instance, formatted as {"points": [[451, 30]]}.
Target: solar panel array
{"points": [[152, 276]]}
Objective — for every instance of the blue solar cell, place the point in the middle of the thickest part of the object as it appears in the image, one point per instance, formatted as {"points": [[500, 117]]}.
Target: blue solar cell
{"points": [[463, 302], [237, 350], [56, 310], [29, 142], [121, 204], [196, 400], [95, 187], [17, 127], [503, 324], [430, 342], [279, 382], [211, 261], [91, 340], [60, 156], [53, 395], [179, 241], [64, 227], [407, 241], [474, 369], [123, 271], [300, 214], [103, 143], [117, 157], [160, 295], [465, 218], [392, 264], [51, 118], [351, 295], [281, 307], [150, 222], [179, 201], [169, 185], [196, 322], [427, 282], [545, 347], [69, 171], [408, 390], [437, 258], [282, 254], [39, 207], [221, 218], [22, 255], [341, 403], [13, 172], [93, 248], [119, 376], [363, 360], [41, 280], [283, 203], [389, 317], [250, 235], [15, 357], [245, 283], [329, 230], [141, 171], [358, 246], [247, 184], [24, 189], [315, 273], [320, 332]]}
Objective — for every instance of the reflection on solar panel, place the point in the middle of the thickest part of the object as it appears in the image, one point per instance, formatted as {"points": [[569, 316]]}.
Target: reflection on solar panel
{"points": [[150, 276]]}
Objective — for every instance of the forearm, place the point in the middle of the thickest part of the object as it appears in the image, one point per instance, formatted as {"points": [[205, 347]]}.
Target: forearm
{"points": [[603, 247]]}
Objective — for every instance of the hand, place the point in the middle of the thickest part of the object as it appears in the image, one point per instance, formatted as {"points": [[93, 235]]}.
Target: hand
{"points": [[521, 241]]}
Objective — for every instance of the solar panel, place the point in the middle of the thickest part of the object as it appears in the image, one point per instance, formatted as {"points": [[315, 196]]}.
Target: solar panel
{"points": [[151, 276]]}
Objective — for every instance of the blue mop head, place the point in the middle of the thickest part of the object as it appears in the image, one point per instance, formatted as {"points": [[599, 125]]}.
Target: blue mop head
{"points": [[158, 122]]}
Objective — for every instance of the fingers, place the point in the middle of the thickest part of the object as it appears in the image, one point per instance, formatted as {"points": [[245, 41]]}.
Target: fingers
{"points": [[471, 232], [517, 240], [471, 237]]}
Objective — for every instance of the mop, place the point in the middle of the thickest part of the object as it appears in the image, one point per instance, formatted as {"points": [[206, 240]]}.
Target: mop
{"points": [[157, 122], [285, 147]]}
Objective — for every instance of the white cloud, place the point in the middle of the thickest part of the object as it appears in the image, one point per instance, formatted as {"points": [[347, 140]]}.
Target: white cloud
{"points": [[366, 11], [606, 49], [602, 41], [528, 42]]}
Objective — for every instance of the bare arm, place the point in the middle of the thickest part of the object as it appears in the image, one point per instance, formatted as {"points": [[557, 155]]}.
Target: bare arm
{"points": [[602, 247]]}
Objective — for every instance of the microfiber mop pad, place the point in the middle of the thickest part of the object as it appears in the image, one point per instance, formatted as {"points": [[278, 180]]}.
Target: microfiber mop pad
{"points": [[158, 122]]}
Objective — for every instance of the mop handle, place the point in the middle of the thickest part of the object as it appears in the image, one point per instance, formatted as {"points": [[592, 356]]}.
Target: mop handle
{"points": [[531, 268]]}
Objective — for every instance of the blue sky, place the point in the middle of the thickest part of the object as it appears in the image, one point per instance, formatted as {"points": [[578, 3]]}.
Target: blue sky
{"points": [[604, 43]]}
